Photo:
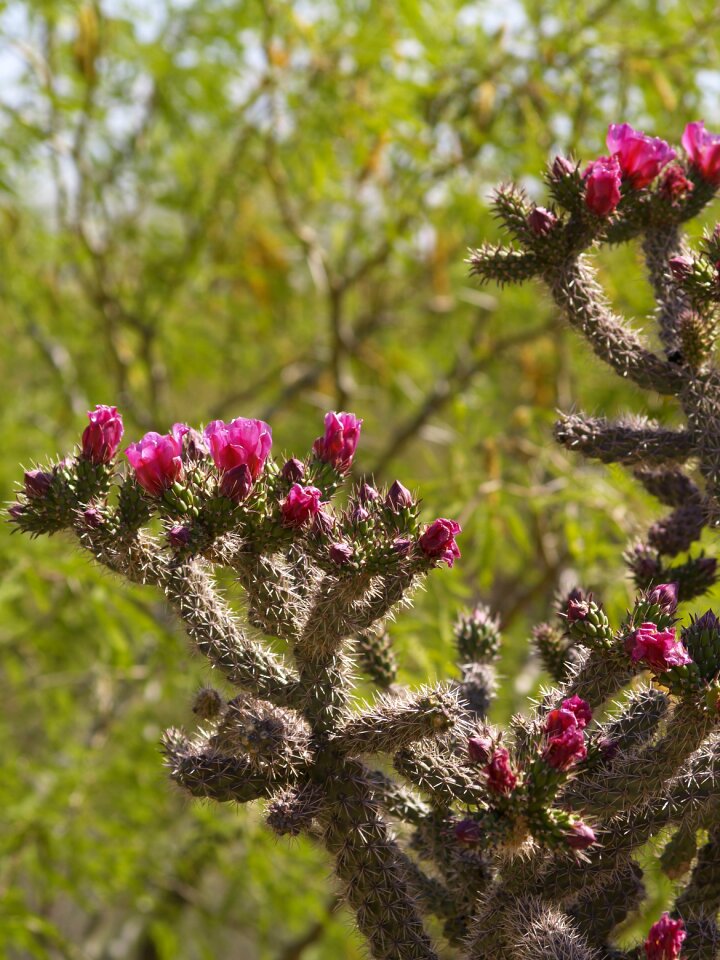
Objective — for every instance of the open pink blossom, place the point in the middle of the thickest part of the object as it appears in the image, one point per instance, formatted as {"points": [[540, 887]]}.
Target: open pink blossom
{"points": [[240, 442], [338, 444], [101, 437], [438, 540], [703, 150], [665, 939], [659, 649], [602, 185], [641, 158], [157, 459], [300, 505]]}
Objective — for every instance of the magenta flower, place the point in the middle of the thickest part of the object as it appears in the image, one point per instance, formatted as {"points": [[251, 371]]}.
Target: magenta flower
{"points": [[157, 459], [580, 837], [641, 158], [580, 708], [101, 438], [300, 505], [665, 939], [674, 183], [602, 185], [237, 483], [338, 444], [37, 483], [560, 720], [438, 540], [665, 596], [703, 150], [480, 749], [239, 442], [500, 776], [660, 649], [565, 749]]}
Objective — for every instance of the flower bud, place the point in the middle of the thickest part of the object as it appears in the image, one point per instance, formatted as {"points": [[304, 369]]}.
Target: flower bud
{"points": [[580, 708], [37, 483], [402, 546], [467, 831], [194, 447], [480, 749], [237, 483], [179, 536], [16, 510], [681, 268], [93, 517], [340, 553], [359, 514], [323, 523], [565, 749], [580, 837], [293, 470], [399, 497], [541, 221], [101, 438], [562, 167], [367, 494], [500, 776], [602, 186], [664, 596]]}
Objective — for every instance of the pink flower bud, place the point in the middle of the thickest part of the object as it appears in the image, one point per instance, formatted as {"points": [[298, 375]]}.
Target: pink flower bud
{"points": [[659, 649], [500, 777], [93, 517], [237, 483], [665, 596], [562, 167], [560, 720], [608, 748], [580, 837], [641, 158], [293, 470], [367, 494], [37, 483], [323, 523], [194, 447], [359, 514], [239, 442], [581, 708], [399, 497], [565, 749], [402, 546], [541, 221], [577, 610], [340, 553], [338, 444], [16, 510], [300, 505], [703, 150], [680, 267], [480, 749], [675, 184], [179, 536], [438, 540], [467, 831], [101, 438], [602, 186], [665, 939], [157, 460]]}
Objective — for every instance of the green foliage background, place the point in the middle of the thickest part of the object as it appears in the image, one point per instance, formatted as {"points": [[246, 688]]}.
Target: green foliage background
{"points": [[235, 207]]}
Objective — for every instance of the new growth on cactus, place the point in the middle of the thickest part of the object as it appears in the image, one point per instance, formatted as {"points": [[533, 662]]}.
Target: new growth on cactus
{"points": [[447, 833]]}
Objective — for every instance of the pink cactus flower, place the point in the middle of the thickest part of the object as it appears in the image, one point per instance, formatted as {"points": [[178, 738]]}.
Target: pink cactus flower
{"points": [[580, 837], [665, 939], [101, 438], [565, 749], [399, 497], [300, 505], [703, 150], [641, 158], [338, 444], [659, 649], [602, 185], [674, 183], [240, 442], [438, 540], [560, 720], [541, 221], [480, 749], [157, 459], [500, 776], [580, 708]]}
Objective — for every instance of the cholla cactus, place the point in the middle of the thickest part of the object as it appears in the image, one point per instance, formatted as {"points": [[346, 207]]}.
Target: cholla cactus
{"points": [[520, 842]]}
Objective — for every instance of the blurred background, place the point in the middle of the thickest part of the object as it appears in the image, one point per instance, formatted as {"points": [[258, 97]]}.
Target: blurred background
{"points": [[217, 208]]}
